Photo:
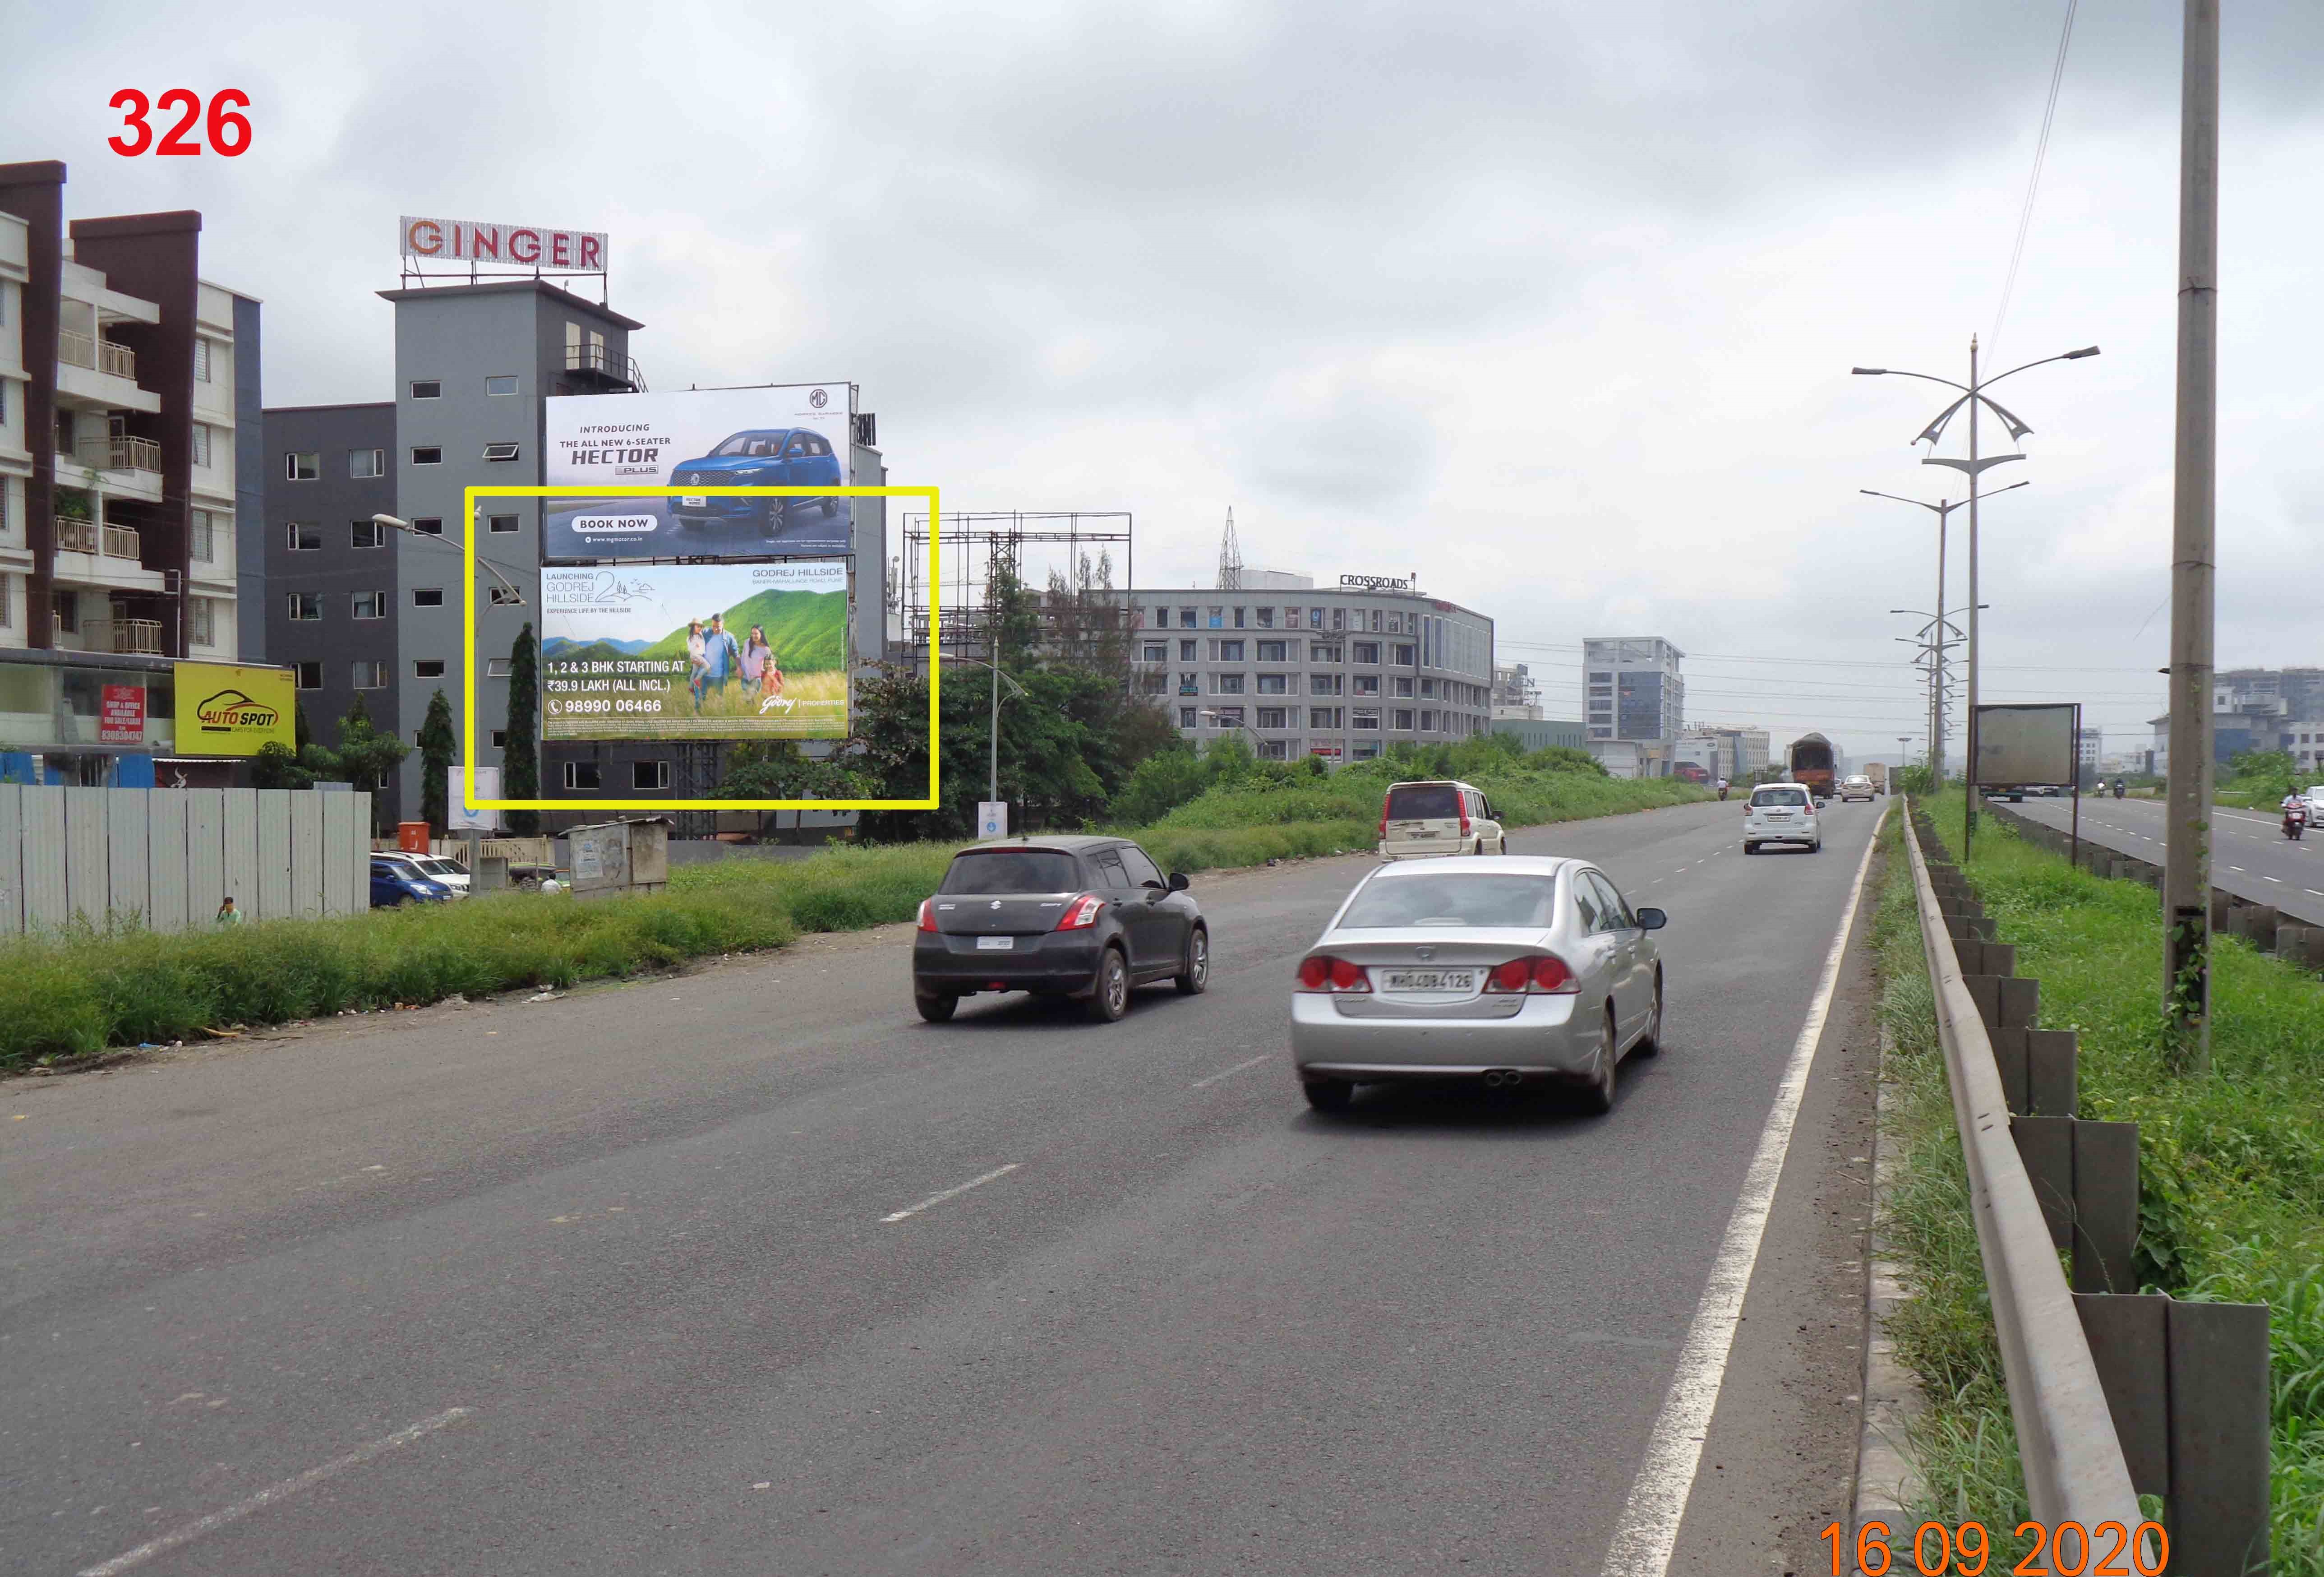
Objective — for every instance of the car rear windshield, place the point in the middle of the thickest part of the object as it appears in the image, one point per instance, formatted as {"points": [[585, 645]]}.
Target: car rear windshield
{"points": [[1780, 797], [1449, 898], [1423, 802], [1007, 871]]}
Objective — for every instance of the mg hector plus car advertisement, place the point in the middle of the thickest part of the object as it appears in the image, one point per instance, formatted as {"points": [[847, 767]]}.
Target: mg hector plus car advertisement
{"points": [[694, 652], [791, 435]]}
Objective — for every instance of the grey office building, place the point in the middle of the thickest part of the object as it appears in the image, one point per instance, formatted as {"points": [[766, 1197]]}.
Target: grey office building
{"points": [[329, 603]]}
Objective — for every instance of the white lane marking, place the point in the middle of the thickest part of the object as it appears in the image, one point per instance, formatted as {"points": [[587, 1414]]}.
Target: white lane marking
{"points": [[934, 1199], [268, 1496], [1214, 1078], [2236, 867], [1644, 1538], [2271, 879]]}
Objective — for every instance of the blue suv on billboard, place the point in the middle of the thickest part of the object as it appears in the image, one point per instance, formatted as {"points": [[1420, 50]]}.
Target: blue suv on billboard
{"points": [[766, 456]]}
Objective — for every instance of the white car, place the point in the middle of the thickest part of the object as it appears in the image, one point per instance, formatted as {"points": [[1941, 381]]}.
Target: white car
{"points": [[443, 871], [1441, 817], [1859, 786], [1781, 812]]}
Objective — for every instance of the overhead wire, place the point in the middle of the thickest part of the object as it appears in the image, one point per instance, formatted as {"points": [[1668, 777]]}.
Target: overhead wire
{"points": [[2034, 181]]}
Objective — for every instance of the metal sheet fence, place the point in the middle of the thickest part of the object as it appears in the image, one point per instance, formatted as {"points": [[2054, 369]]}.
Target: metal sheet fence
{"points": [[165, 858]]}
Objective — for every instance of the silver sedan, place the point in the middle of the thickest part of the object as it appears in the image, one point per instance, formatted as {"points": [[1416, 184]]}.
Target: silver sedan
{"points": [[1509, 969]]}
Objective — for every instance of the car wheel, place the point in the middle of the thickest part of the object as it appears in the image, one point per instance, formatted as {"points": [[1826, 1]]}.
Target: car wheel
{"points": [[1816, 847], [1750, 848], [1328, 1094], [829, 508], [1195, 978], [1651, 1042], [1108, 996], [936, 1006], [1598, 1095]]}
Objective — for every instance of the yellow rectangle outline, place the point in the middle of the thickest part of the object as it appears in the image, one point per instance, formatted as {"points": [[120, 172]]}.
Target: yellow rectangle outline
{"points": [[468, 648]]}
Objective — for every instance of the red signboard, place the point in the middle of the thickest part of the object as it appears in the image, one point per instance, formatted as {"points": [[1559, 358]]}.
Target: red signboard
{"points": [[122, 719]]}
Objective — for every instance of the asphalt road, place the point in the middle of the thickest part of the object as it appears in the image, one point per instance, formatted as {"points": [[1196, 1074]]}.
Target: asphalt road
{"points": [[2250, 856], [640, 1279]]}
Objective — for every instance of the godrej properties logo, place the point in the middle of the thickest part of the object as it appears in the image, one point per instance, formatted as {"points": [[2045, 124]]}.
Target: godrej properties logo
{"points": [[227, 710]]}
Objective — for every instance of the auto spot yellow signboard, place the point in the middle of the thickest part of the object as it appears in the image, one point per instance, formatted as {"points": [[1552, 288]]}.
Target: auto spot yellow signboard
{"points": [[225, 709]]}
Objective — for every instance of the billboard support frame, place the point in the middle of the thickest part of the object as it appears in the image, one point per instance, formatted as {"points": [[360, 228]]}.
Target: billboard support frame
{"points": [[570, 490]]}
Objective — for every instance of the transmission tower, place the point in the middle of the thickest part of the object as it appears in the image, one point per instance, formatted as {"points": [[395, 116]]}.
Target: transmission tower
{"points": [[1230, 557]]}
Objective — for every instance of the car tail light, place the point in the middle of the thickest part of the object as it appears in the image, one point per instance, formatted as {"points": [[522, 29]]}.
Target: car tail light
{"points": [[1465, 815], [1544, 974], [1081, 914], [1383, 830], [927, 914], [1322, 972]]}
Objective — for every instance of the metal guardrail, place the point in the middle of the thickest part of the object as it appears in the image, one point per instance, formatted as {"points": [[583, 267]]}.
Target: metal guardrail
{"points": [[2073, 1461]]}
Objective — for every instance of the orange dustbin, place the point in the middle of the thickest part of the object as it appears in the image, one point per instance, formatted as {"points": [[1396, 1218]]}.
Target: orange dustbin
{"points": [[411, 836]]}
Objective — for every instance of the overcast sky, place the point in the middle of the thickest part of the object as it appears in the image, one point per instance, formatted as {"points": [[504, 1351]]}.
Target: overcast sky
{"points": [[1553, 303]]}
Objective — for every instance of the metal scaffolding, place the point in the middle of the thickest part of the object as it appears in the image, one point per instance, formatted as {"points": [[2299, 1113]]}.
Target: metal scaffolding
{"points": [[1086, 549]]}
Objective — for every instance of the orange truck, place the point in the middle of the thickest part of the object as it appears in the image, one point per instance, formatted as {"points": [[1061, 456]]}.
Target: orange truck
{"points": [[1811, 763]]}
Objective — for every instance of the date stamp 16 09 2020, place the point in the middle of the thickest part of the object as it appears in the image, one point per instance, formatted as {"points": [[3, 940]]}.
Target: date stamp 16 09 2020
{"points": [[2068, 1550]]}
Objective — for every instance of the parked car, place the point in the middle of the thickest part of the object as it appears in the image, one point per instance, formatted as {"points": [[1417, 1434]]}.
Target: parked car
{"points": [[773, 456], [393, 882], [1440, 817], [441, 871], [1782, 813], [1507, 970], [1857, 787], [1080, 915]]}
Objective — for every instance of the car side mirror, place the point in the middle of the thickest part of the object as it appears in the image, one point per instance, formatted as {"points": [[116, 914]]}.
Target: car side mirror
{"points": [[1651, 920], [1152, 886], [1178, 883]]}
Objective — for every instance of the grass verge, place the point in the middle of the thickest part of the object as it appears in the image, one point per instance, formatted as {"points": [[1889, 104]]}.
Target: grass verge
{"points": [[2231, 1164], [84, 992]]}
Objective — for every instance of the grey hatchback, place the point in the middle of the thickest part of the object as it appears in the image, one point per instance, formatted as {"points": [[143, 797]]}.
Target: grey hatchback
{"points": [[1507, 969], [1077, 916]]}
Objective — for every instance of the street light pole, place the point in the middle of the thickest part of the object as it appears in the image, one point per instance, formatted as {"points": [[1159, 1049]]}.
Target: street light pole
{"points": [[1973, 395], [993, 759], [2187, 852], [1942, 509]]}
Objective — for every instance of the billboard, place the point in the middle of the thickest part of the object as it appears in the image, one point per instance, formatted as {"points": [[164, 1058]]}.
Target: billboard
{"points": [[2028, 745], [225, 709], [694, 652], [792, 435]]}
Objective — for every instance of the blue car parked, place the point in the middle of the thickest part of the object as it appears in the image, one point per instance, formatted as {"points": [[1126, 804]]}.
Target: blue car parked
{"points": [[769, 456], [392, 884]]}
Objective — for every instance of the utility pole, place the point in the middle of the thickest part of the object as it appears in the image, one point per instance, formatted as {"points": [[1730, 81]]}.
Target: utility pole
{"points": [[2187, 856]]}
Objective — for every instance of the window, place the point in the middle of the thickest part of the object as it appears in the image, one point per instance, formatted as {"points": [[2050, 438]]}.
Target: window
{"points": [[1401, 685], [1367, 651], [1218, 618], [1273, 651], [366, 534], [201, 360], [1230, 651], [1323, 717], [500, 739], [428, 455], [1427, 721], [370, 674], [1321, 651], [1401, 654], [305, 605], [370, 604], [1185, 618], [1428, 688], [1314, 618], [7, 603], [1376, 618], [429, 525], [1266, 618], [1141, 870], [503, 524], [1339, 618], [1272, 717], [427, 389], [1186, 716], [1187, 684], [500, 451], [582, 777], [1367, 752], [427, 596], [1237, 617], [204, 610], [1606, 677], [1152, 684], [1156, 652], [1367, 685], [506, 597], [301, 467], [428, 667], [1367, 717], [644, 774], [310, 676], [205, 535], [1227, 685], [1274, 749], [1229, 716], [504, 383], [1323, 684], [1401, 719], [202, 444], [305, 536], [1161, 618], [1186, 651], [1274, 683]]}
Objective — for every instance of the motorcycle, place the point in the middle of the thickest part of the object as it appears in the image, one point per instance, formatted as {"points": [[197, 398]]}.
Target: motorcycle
{"points": [[2117, 790], [1722, 794], [2294, 823]]}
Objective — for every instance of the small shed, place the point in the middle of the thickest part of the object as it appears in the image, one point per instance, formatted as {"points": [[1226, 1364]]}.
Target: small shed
{"points": [[631, 854]]}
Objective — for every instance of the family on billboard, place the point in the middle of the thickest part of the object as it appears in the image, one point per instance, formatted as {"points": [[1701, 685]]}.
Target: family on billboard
{"points": [[784, 436], [715, 661]]}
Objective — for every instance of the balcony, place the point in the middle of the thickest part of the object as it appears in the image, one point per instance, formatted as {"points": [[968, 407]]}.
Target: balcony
{"points": [[119, 453], [118, 636], [96, 537], [603, 367], [100, 355]]}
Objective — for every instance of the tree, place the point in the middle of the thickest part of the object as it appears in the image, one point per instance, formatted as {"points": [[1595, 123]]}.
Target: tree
{"points": [[367, 756], [277, 766], [779, 769], [302, 736], [521, 758], [435, 747]]}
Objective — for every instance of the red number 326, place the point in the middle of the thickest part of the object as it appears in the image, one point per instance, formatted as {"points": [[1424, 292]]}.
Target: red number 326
{"points": [[229, 133]]}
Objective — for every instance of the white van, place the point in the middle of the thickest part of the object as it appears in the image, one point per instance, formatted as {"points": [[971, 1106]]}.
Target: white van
{"points": [[1441, 817], [1782, 813]]}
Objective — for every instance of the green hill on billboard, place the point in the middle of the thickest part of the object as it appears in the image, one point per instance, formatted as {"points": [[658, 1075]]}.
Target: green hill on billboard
{"points": [[807, 629]]}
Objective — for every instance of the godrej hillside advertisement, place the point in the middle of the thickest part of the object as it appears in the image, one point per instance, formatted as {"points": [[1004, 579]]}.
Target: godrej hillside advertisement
{"points": [[791, 435], [694, 652]]}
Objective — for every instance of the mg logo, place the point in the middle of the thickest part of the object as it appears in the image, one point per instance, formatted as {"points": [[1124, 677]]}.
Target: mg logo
{"points": [[818, 399]]}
